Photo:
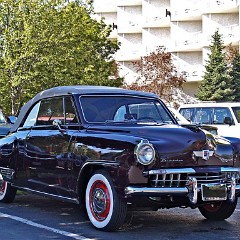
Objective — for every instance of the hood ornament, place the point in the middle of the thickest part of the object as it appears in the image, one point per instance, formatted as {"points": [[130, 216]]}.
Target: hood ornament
{"points": [[204, 154]]}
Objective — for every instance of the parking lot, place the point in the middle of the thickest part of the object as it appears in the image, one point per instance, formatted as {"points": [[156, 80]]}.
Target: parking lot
{"points": [[33, 217]]}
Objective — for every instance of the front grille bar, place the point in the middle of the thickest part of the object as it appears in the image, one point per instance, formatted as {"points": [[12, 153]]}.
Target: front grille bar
{"points": [[178, 178]]}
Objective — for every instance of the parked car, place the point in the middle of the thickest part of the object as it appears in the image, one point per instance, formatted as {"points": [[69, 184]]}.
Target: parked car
{"points": [[183, 121], [224, 116], [5, 124], [113, 150]]}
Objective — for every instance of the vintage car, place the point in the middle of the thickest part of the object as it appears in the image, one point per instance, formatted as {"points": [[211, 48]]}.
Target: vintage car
{"points": [[113, 150]]}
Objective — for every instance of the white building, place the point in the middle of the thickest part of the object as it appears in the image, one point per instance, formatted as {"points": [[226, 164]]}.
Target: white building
{"points": [[184, 27]]}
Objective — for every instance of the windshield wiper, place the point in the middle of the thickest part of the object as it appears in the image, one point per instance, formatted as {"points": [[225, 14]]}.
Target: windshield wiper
{"points": [[123, 121]]}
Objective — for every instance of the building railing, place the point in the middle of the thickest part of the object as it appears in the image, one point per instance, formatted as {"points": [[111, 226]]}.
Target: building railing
{"points": [[191, 72], [190, 39], [221, 3], [129, 3]]}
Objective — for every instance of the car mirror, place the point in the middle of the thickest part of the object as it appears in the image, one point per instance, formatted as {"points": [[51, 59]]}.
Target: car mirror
{"points": [[227, 120]]}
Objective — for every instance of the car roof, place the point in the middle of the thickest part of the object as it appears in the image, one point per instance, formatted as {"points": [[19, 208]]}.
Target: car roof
{"points": [[211, 104], [79, 89]]}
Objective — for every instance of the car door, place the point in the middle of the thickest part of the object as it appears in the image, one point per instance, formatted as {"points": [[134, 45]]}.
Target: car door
{"points": [[47, 147]]}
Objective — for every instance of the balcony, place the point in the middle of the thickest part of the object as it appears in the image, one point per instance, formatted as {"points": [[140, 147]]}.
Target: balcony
{"points": [[191, 42], [221, 6], [190, 13], [129, 53], [107, 7], [230, 34], [156, 21], [192, 73], [148, 49], [129, 3], [133, 25]]}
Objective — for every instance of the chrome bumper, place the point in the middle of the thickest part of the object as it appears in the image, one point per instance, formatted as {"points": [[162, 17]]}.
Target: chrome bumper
{"points": [[190, 190]]}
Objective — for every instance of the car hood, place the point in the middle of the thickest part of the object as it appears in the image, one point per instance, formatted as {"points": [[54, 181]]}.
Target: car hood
{"points": [[178, 146]]}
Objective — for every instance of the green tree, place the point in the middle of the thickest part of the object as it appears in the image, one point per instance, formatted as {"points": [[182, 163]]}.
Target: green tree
{"points": [[234, 72], [158, 74], [216, 83], [49, 43]]}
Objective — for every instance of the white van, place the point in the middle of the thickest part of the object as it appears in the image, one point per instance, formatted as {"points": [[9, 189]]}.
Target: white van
{"points": [[224, 116]]}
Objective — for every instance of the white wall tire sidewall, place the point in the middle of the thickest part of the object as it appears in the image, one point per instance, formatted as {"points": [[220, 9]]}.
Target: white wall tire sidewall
{"points": [[3, 193], [93, 220]]}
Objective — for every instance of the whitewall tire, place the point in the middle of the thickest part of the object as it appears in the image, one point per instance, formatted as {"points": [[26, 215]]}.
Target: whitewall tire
{"points": [[105, 209]]}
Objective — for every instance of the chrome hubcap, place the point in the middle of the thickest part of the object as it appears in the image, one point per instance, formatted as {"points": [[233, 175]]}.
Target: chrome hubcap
{"points": [[99, 201]]}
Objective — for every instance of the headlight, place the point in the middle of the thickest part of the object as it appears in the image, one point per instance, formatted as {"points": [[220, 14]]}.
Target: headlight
{"points": [[145, 152]]}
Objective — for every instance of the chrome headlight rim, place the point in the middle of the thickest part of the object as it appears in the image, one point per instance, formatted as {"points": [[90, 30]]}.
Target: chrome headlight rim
{"points": [[139, 149]]}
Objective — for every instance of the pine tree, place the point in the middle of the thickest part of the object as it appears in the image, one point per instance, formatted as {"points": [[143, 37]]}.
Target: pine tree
{"points": [[216, 83], [235, 77]]}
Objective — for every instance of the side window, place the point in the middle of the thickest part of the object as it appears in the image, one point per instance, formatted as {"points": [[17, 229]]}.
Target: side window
{"points": [[202, 115], [187, 113], [71, 116], [32, 116], [50, 109], [220, 114]]}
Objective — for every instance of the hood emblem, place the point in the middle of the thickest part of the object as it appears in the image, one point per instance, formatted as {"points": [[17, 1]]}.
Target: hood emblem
{"points": [[204, 154]]}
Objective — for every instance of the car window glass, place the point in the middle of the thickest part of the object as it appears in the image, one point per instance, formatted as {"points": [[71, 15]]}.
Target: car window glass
{"points": [[187, 113], [236, 111], [71, 116], [219, 113], [144, 111], [120, 114], [202, 115], [119, 108], [50, 109], [32, 116]]}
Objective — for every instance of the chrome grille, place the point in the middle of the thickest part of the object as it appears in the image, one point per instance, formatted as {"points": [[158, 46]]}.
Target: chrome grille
{"points": [[168, 180], [180, 179]]}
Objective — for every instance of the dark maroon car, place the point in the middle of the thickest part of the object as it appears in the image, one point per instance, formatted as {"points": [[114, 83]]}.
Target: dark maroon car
{"points": [[112, 150]]}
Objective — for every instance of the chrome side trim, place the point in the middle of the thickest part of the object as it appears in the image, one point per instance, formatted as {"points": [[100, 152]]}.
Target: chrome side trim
{"points": [[67, 199], [230, 169]]}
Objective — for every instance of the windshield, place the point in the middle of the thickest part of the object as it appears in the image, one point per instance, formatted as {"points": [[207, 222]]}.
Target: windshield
{"points": [[103, 109]]}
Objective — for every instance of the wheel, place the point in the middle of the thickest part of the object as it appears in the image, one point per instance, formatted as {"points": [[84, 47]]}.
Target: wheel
{"points": [[219, 210], [7, 192], [105, 209]]}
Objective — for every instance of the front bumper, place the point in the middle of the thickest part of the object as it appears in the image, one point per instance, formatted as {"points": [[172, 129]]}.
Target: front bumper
{"points": [[187, 182]]}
